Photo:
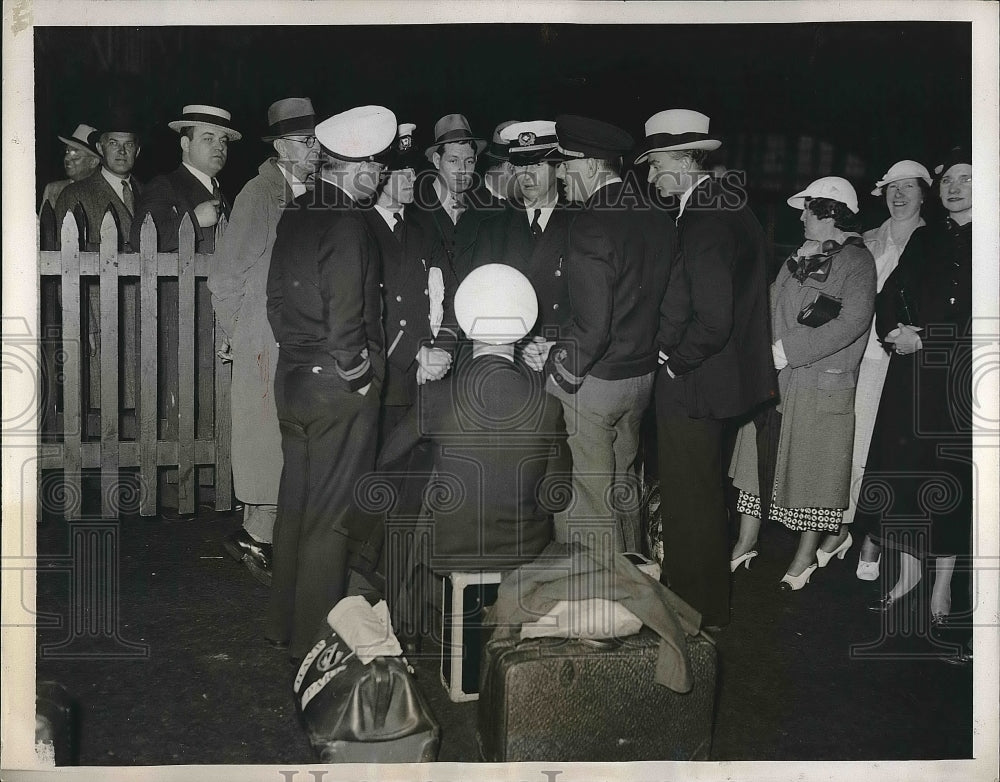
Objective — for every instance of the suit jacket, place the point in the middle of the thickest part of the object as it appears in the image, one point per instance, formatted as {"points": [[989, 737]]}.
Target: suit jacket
{"points": [[506, 238], [495, 432], [714, 322], [407, 270], [323, 296], [168, 198], [95, 195], [620, 255], [457, 240]]}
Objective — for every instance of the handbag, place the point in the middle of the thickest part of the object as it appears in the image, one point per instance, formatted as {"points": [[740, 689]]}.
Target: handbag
{"points": [[821, 311], [357, 713]]}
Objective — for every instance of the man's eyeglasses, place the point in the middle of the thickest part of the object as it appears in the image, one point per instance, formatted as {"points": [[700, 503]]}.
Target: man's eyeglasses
{"points": [[309, 141]]}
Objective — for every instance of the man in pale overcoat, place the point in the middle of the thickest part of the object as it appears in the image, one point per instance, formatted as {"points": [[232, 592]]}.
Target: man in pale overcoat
{"points": [[238, 281]]}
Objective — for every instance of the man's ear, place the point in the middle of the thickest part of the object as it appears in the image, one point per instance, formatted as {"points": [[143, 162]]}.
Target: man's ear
{"points": [[591, 167], [185, 145], [436, 160]]}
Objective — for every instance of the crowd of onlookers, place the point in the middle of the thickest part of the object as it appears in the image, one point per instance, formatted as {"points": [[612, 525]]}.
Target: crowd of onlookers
{"points": [[398, 311]]}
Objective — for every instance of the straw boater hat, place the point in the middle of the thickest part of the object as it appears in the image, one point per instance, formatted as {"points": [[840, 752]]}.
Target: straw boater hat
{"points": [[833, 187], [496, 319], [453, 128], [498, 147], [214, 117], [359, 134], [904, 169], [531, 142], [290, 117], [83, 139], [677, 129]]}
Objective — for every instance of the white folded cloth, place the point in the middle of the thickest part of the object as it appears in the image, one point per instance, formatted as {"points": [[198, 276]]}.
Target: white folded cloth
{"points": [[435, 293], [591, 618], [365, 628]]}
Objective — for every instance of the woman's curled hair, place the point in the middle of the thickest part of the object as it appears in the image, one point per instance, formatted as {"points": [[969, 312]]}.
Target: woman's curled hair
{"points": [[843, 218]]}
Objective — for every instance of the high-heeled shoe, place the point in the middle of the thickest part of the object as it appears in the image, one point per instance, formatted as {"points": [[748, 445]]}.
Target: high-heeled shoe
{"points": [[887, 603], [742, 559], [823, 557], [795, 583], [868, 571]]}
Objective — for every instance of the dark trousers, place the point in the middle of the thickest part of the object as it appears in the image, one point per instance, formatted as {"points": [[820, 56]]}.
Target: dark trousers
{"points": [[693, 508], [328, 441]]}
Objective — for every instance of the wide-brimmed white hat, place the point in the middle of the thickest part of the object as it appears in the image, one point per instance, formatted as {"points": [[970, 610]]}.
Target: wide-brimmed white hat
{"points": [[904, 169], [833, 187], [361, 133], [677, 129], [496, 304], [213, 116]]}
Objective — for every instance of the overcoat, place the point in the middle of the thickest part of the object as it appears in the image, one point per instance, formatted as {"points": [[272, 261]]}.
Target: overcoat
{"points": [[817, 387], [95, 195], [238, 281]]}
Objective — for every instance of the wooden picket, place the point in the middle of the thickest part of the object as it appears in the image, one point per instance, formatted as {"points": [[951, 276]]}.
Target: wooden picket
{"points": [[157, 444]]}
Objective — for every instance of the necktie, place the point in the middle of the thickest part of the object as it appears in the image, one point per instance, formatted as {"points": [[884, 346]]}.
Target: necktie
{"points": [[127, 197], [217, 195], [399, 227], [457, 206], [536, 227]]}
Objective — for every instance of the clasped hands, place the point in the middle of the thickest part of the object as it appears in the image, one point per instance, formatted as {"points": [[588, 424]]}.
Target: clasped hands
{"points": [[536, 353], [904, 339], [434, 364]]}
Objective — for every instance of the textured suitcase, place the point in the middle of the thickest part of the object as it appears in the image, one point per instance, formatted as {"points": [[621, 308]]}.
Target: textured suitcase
{"points": [[551, 699]]}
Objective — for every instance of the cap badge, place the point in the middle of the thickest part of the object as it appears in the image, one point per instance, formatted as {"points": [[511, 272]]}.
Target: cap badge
{"points": [[405, 143], [526, 139]]}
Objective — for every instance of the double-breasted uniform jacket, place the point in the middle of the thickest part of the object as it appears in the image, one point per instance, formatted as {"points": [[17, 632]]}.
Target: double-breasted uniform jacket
{"points": [[412, 272], [619, 259], [506, 238], [817, 386], [714, 321], [168, 197], [457, 240], [95, 195], [237, 279]]}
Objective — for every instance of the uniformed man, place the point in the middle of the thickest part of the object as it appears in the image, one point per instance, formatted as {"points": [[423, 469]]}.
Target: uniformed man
{"points": [[451, 205], [602, 368], [499, 174], [324, 305], [420, 335]]}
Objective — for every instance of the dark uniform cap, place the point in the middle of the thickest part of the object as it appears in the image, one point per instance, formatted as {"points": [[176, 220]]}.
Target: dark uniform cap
{"points": [[403, 154], [583, 137]]}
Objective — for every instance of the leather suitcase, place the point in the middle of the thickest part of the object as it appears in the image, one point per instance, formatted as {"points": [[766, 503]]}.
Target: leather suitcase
{"points": [[552, 699]]}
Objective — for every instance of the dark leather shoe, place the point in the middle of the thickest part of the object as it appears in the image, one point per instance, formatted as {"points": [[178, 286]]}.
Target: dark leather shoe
{"points": [[254, 555]]}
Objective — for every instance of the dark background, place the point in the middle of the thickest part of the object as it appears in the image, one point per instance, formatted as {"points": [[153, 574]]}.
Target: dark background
{"points": [[791, 102]]}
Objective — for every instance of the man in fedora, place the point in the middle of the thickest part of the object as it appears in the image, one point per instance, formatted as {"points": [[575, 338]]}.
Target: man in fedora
{"points": [[80, 159], [499, 174], [238, 281], [205, 133], [418, 288], [714, 346], [325, 309], [111, 185], [450, 204], [618, 260]]}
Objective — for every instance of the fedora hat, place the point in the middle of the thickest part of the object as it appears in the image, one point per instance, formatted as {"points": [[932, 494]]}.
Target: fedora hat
{"points": [[496, 320], [677, 129], [358, 134], [498, 147], [904, 169], [84, 139], [200, 114], [290, 117], [833, 187], [453, 128]]}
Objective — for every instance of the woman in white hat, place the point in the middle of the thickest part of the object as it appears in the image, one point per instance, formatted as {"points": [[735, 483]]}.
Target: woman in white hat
{"points": [[905, 187], [821, 310], [920, 456]]}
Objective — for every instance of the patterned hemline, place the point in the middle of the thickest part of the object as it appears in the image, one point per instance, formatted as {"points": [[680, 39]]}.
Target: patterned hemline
{"points": [[796, 519]]}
